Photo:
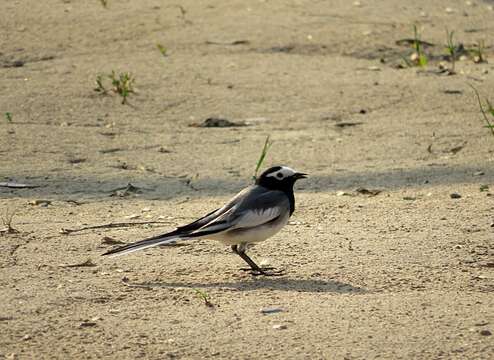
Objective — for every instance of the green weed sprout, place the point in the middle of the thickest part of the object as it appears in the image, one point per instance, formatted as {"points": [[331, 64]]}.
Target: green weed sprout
{"points": [[421, 58], [265, 148], [204, 296], [161, 49], [122, 85], [451, 48]]}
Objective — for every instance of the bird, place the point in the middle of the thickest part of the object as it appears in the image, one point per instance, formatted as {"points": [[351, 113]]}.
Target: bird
{"points": [[253, 215]]}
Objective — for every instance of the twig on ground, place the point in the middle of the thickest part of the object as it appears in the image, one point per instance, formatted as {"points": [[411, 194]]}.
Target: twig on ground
{"points": [[7, 222], [86, 263], [112, 225], [14, 185]]}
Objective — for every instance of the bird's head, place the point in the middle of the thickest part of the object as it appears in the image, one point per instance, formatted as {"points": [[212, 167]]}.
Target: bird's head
{"points": [[279, 178]]}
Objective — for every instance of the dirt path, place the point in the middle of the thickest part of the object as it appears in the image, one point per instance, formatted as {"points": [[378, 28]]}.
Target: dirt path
{"points": [[407, 273]]}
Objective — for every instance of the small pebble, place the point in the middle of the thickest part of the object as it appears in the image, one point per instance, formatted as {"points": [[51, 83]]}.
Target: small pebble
{"points": [[485, 332], [478, 173], [342, 193], [282, 327], [455, 196]]}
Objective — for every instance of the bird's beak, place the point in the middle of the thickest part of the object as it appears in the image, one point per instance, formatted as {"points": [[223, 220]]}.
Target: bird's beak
{"points": [[300, 175]]}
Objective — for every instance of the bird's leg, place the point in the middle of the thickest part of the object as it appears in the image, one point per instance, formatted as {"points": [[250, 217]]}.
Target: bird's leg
{"points": [[246, 258], [254, 268]]}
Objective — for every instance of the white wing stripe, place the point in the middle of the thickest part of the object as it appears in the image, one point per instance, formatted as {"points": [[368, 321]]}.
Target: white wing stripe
{"points": [[253, 218]]}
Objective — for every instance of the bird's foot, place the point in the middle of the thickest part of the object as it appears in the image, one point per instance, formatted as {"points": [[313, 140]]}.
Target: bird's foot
{"points": [[265, 271]]}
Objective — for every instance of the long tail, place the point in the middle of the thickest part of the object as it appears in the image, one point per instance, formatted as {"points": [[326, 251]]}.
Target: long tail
{"points": [[144, 244]]}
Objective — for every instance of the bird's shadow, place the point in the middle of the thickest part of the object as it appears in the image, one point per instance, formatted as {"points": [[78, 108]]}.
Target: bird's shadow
{"points": [[279, 283]]}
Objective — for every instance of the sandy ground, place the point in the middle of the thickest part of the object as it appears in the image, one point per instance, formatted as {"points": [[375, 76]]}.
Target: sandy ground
{"points": [[407, 273]]}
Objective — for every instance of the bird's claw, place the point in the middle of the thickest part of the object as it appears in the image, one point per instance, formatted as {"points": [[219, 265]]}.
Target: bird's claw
{"points": [[265, 271]]}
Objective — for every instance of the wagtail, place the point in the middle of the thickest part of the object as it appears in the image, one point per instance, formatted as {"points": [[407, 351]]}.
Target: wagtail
{"points": [[253, 215]]}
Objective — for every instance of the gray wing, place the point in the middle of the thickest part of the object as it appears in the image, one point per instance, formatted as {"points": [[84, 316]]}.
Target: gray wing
{"points": [[199, 223], [256, 206]]}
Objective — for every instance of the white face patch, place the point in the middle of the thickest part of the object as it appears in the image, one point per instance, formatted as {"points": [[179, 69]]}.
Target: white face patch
{"points": [[283, 173]]}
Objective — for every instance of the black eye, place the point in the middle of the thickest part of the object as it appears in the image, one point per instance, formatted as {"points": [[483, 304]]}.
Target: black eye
{"points": [[279, 176]]}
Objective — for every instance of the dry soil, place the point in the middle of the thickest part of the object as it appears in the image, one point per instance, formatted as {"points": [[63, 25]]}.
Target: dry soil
{"points": [[407, 273]]}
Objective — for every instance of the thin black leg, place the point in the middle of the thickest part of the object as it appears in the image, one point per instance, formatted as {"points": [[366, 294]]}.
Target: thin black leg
{"points": [[246, 258], [256, 270]]}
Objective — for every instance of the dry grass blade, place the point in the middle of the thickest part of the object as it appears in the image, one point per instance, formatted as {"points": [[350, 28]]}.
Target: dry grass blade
{"points": [[490, 110], [7, 222], [85, 263]]}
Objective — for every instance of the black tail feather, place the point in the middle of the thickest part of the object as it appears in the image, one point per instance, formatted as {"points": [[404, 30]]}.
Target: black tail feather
{"points": [[143, 244]]}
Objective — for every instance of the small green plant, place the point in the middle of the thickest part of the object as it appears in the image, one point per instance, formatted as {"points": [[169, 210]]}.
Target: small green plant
{"points": [[484, 187], [421, 58], [122, 84], [161, 49], [104, 3], [451, 48], [486, 110], [8, 116], [205, 297], [478, 53], [265, 148]]}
